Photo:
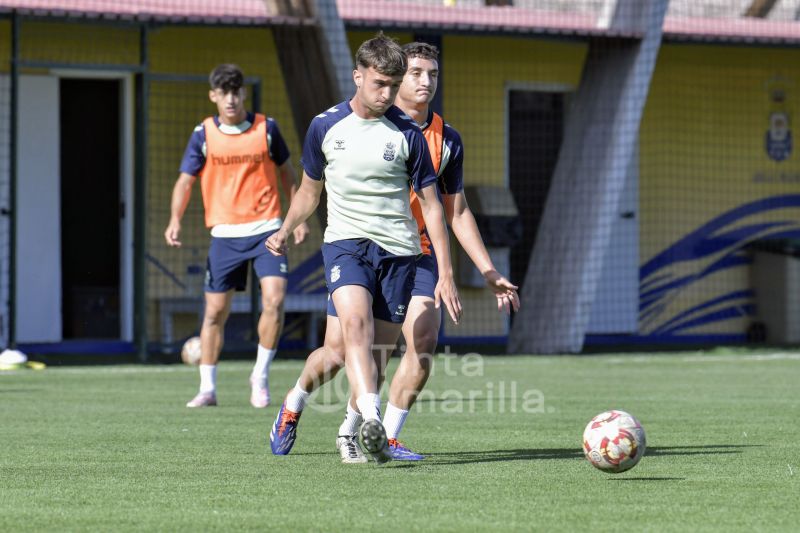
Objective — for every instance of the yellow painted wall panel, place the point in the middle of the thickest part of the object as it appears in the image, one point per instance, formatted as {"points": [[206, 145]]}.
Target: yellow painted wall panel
{"points": [[101, 44], [708, 184], [477, 72]]}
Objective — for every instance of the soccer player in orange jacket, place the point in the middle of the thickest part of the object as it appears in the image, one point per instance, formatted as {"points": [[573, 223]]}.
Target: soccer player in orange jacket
{"points": [[240, 158]]}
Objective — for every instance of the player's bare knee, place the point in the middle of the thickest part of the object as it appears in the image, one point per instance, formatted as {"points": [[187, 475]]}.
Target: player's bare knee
{"points": [[425, 343], [354, 329], [215, 316], [271, 303]]}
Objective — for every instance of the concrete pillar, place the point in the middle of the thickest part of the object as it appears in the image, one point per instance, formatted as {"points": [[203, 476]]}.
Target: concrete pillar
{"points": [[600, 137]]}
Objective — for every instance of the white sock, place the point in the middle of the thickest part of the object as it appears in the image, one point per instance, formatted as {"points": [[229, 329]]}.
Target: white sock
{"points": [[208, 378], [393, 420], [352, 421], [370, 406], [260, 374], [297, 398]]}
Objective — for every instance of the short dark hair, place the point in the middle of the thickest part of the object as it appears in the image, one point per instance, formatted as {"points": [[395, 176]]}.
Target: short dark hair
{"points": [[421, 50], [227, 77], [383, 54]]}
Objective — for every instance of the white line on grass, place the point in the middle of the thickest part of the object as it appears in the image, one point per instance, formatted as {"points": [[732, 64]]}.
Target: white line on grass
{"points": [[133, 369], [700, 358], [779, 356], [121, 369]]}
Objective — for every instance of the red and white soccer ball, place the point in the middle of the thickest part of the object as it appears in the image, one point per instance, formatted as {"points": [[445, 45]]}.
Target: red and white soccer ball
{"points": [[190, 353], [614, 441]]}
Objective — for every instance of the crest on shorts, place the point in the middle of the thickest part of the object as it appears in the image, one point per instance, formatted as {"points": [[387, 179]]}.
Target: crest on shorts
{"points": [[335, 273], [401, 310], [389, 152]]}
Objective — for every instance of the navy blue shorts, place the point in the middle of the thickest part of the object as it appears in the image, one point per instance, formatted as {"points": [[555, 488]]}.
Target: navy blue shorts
{"points": [[426, 277], [229, 259], [388, 277]]}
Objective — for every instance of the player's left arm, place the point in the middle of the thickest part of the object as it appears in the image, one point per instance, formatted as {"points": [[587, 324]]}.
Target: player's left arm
{"points": [[287, 176], [462, 221], [433, 214], [423, 180]]}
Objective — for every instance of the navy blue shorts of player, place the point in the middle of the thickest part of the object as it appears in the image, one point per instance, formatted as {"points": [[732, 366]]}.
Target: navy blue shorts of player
{"points": [[388, 277], [426, 277], [229, 260]]}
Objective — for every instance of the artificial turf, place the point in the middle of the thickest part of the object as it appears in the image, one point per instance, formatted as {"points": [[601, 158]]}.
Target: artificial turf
{"points": [[112, 448]]}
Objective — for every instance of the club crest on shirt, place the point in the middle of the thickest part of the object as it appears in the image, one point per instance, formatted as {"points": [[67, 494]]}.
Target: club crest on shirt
{"points": [[335, 273], [389, 152]]}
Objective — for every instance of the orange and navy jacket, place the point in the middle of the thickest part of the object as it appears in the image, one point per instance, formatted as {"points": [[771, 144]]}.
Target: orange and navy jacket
{"points": [[239, 172], [447, 153]]}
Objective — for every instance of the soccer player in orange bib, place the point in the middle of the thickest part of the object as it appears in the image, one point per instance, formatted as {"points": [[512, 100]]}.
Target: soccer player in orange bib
{"points": [[240, 158], [423, 318]]}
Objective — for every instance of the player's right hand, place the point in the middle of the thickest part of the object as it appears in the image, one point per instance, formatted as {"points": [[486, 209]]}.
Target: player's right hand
{"points": [[276, 243], [172, 233], [447, 293]]}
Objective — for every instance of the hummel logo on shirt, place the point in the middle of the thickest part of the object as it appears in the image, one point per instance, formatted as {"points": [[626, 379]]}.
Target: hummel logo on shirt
{"points": [[239, 159], [338, 144]]}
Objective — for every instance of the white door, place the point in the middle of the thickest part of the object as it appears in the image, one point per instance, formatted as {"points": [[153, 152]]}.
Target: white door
{"points": [[38, 258], [39, 301]]}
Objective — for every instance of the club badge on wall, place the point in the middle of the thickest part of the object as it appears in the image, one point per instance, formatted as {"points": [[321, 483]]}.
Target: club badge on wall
{"points": [[779, 134]]}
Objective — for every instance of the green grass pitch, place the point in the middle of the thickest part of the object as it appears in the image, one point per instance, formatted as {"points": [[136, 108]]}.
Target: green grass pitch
{"points": [[114, 449]]}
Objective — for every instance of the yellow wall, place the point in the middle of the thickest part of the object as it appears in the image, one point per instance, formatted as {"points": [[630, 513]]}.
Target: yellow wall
{"points": [[89, 44], [476, 72], [5, 45], [702, 155]]}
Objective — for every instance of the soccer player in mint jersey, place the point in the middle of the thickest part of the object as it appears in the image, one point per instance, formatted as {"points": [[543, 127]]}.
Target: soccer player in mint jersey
{"points": [[240, 158], [369, 152], [421, 325]]}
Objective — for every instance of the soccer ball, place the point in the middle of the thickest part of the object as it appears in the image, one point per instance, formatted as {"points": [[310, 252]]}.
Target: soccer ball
{"points": [[190, 353], [614, 441]]}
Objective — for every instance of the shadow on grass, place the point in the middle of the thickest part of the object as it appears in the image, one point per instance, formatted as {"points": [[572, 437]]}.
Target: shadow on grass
{"points": [[647, 478], [709, 449], [490, 456]]}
